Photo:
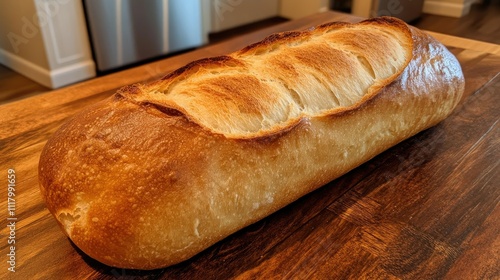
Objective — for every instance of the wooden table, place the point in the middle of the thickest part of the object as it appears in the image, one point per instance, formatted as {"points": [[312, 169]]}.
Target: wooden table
{"points": [[425, 209]]}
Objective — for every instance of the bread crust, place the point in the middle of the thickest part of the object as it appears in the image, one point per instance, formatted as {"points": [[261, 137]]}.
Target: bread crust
{"points": [[141, 182]]}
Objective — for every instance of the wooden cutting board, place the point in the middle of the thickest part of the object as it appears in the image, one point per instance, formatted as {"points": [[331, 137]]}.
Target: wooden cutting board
{"points": [[425, 209]]}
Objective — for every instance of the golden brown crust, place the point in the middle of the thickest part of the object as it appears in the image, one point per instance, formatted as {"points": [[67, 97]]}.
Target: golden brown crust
{"points": [[267, 87], [137, 182]]}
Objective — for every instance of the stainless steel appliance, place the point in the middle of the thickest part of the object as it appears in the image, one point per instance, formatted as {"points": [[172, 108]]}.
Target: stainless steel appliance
{"points": [[128, 31]]}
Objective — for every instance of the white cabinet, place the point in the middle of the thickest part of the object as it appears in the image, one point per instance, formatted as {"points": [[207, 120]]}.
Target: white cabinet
{"points": [[46, 41], [294, 9], [225, 14]]}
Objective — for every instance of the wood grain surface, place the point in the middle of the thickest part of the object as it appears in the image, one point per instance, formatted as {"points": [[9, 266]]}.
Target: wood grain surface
{"points": [[427, 208], [14, 86]]}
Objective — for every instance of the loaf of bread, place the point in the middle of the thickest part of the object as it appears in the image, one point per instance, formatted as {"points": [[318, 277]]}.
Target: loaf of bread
{"points": [[158, 172]]}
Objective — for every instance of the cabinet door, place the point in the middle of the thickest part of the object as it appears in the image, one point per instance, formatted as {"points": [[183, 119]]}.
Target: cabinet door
{"points": [[225, 14]]}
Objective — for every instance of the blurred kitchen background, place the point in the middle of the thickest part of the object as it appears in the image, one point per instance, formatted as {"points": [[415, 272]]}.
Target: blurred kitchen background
{"points": [[47, 44]]}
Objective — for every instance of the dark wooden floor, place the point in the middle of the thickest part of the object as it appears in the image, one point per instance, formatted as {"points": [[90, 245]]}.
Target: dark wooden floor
{"points": [[482, 23], [14, 86]]}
